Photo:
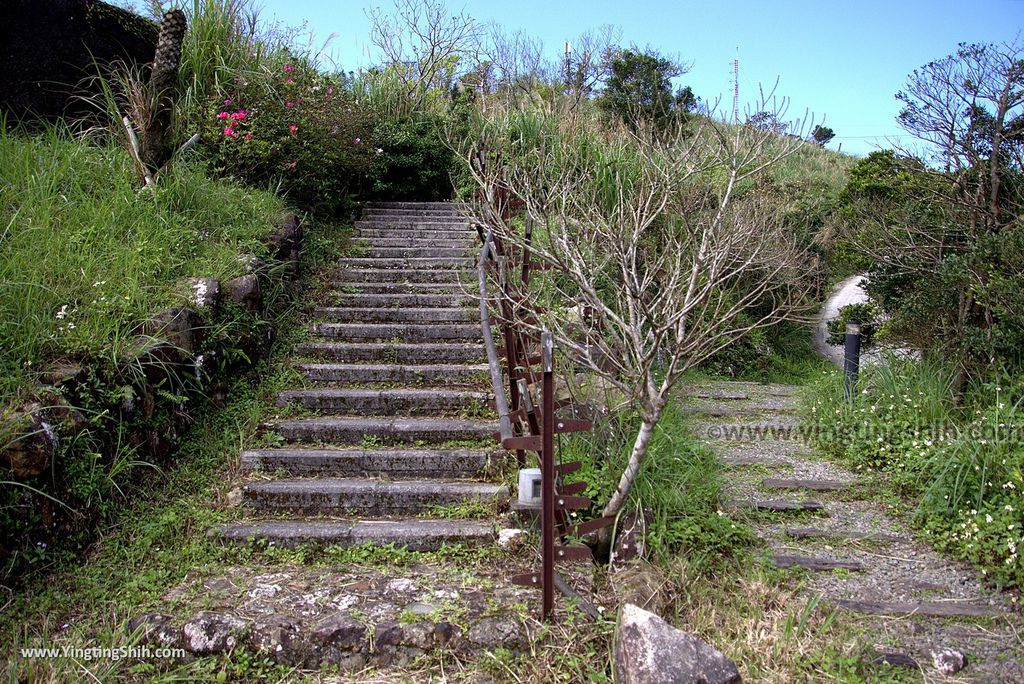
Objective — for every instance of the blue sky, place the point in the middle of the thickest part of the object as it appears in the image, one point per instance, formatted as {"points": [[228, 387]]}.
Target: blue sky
{"points": [[843, 61]]}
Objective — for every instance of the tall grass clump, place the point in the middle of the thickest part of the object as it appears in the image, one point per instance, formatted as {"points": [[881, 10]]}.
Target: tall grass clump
{"points": [[86, 257], [960, 463], [679, 488]]}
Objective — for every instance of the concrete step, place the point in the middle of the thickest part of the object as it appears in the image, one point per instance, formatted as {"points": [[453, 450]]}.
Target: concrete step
{"points": [[403, 240], [433, 315], [409, 300], [387, 430], [419, 252], [409, 222], [410, 211], [416, 263], [406, 332], [395, 353], [406, 463], [419, 374], [351, 495], [453, 287], [902, 609], [387, 402], [413, 534], [399, 204], [450, 277], [411, 231]]}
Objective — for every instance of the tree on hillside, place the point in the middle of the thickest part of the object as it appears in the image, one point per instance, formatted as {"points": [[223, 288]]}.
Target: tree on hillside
{"points": [[821, 135], [661, 259], [946, 236], [638, 89]]}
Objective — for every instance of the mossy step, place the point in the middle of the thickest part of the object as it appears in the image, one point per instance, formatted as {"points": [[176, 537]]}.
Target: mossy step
{"points": [[412, 534], [811, 484], [438, 373], [815, 563], [405, 332], [412, 232], [922, 608], [405, 263], [419, 251], [390, 430], [383, 402], [339, 496], [406, 300], [450, 276], [381, 314], [391, 352], [775, 506], [406, 204], [394, 463], [851, 535], [466, 242], [427, 288]]}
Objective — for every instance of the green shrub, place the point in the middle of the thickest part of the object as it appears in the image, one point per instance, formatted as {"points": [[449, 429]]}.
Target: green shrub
{"points": [[415, 164], [296, 128], [866, 313]]}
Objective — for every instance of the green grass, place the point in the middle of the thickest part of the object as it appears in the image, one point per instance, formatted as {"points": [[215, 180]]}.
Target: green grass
{"points": [[86, 255], [956, 469]]}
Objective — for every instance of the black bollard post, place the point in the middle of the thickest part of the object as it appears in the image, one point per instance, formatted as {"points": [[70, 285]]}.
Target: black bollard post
{"points": [[851, 359]]}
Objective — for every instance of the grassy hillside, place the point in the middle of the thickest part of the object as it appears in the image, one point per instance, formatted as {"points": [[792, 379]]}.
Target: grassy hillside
{"points": [[86, 255]]}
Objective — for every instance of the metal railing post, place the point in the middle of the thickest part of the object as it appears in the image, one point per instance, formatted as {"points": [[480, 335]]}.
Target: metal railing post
{"points": [[851, 359], [547, 473]]}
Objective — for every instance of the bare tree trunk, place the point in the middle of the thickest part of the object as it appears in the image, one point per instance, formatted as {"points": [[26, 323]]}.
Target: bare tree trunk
{"points": [[636, 459]]}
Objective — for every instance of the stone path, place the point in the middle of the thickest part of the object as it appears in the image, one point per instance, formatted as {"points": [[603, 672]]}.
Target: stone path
{"points": [[390, 427], [816, 515]]}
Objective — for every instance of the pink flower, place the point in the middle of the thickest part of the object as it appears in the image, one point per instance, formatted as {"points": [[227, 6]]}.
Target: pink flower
{"points": [[289, 68], [356, 141], [223, 115], [293, 128], [240, 114], [330, 89], [289, 105], [290, 81], [228, 130], [227, 102], [248, 136]]}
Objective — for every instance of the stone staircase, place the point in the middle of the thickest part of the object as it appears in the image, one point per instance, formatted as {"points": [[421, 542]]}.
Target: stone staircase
{"points": [[391, 432]]}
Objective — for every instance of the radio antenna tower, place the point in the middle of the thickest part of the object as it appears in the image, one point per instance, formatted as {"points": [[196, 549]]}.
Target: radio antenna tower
{"points": [[736, 88]]}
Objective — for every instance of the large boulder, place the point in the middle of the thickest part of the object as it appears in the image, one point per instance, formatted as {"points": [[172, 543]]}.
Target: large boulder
{"points": [[648, 650]]}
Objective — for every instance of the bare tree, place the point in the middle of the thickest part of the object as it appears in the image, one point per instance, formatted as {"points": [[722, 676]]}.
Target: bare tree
{"points": [[660, 260], [968, 107], [423, 41]]}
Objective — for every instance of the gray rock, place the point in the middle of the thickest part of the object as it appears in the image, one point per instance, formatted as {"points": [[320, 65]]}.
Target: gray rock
{"points": [[178, 325], [948, 661], [202, 293], [209, 632], [245, 290], [154, 628], [280, 636], [648, 650], [340, 631], [495, 632]]}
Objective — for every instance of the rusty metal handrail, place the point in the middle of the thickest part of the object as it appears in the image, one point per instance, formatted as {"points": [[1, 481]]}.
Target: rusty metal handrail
{"points": [[500, 403]]}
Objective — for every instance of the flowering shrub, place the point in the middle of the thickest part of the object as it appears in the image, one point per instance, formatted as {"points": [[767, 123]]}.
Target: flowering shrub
{"points": [[299, 128], [965, 470]]}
